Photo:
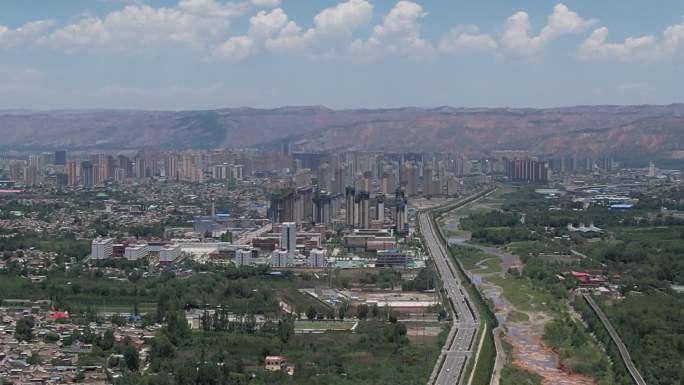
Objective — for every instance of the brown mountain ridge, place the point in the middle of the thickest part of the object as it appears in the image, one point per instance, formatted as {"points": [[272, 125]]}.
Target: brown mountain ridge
{"points": [[649, 130]]}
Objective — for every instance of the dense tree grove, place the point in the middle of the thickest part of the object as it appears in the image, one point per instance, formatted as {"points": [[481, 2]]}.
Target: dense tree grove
{"points": [[649, 245], [569, 338], [498, 228], [424, 280], [65, 245], [384, 279], [649, 257], [219, 358], [240, 290], [652, 327]]}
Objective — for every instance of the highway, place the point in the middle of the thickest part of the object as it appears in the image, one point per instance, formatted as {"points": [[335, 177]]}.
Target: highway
{"points": [[452, 362], [624, 353], [246, 238]]}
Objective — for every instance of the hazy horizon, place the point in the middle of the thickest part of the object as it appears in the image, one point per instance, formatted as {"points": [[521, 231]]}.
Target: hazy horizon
{"points": [[284, 107]]}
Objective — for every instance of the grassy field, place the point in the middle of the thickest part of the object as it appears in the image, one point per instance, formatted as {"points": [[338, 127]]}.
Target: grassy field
{"points": [[145, 307], [482, 373], [302, 301], [470, 257], [447, 227], [516, 316], [323, 325], [491, 265], [521, 294], [345, 358], [484, 205], [523, 248]]}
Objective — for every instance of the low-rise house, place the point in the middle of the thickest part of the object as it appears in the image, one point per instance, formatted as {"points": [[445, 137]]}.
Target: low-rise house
{"points": [[275, 363]]}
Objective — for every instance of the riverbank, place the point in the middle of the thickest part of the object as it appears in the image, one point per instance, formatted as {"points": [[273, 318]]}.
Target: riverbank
{"points": [[522, 311]]}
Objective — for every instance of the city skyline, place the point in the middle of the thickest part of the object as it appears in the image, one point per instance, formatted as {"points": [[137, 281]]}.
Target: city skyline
{"points": [[337, 192], [197, 54]]}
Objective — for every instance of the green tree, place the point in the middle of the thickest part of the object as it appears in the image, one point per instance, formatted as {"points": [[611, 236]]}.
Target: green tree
{"points": [[161, 349], [400, 329], [227, 237], [342, 310], [177, 328], [135, 276], [118, 320], [51, 337], [107, 341], [34, 359], [362, 311], [131, 358], [286, 329], [375, 310], [24, 329], [311, 313]]}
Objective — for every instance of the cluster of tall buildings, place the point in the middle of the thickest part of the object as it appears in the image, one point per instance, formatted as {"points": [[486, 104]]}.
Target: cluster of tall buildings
{"points": [[94, 169], [416, 174], [575, 164], [363, 211], [360, 190], [171, 166], [33, 171], [331, 173], [527, 170], [301, 205], [360, 209], [522, 167]]}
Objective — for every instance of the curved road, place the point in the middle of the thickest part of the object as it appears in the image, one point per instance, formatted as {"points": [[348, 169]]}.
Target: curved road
{"points": [[451, 365]]}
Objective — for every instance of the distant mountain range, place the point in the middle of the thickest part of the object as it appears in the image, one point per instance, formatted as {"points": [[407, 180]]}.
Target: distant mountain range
{"points": [[621, 131]]}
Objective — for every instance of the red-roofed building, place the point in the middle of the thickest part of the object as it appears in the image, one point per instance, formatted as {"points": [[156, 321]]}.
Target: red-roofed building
{"points": [[59, 315], [589, 279]]}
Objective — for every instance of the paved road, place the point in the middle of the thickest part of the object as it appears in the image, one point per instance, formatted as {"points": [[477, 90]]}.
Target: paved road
{"points": [[247, 238], [507, 261], [459, 344], [624, 353]]}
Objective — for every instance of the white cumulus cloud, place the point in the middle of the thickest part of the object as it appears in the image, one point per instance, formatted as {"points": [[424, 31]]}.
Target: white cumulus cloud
{"points": [[236, 48], [466, 38], [274, 31], [330, 26], [673, 38], [596, 46], [206, 26], [517, 36], [262, 27], [398, 33], [194, 22], [647, 47], [25, 34]]}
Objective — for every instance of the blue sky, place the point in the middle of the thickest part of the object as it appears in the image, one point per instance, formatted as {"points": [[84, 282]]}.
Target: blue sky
{"points": [[197, 54]]}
